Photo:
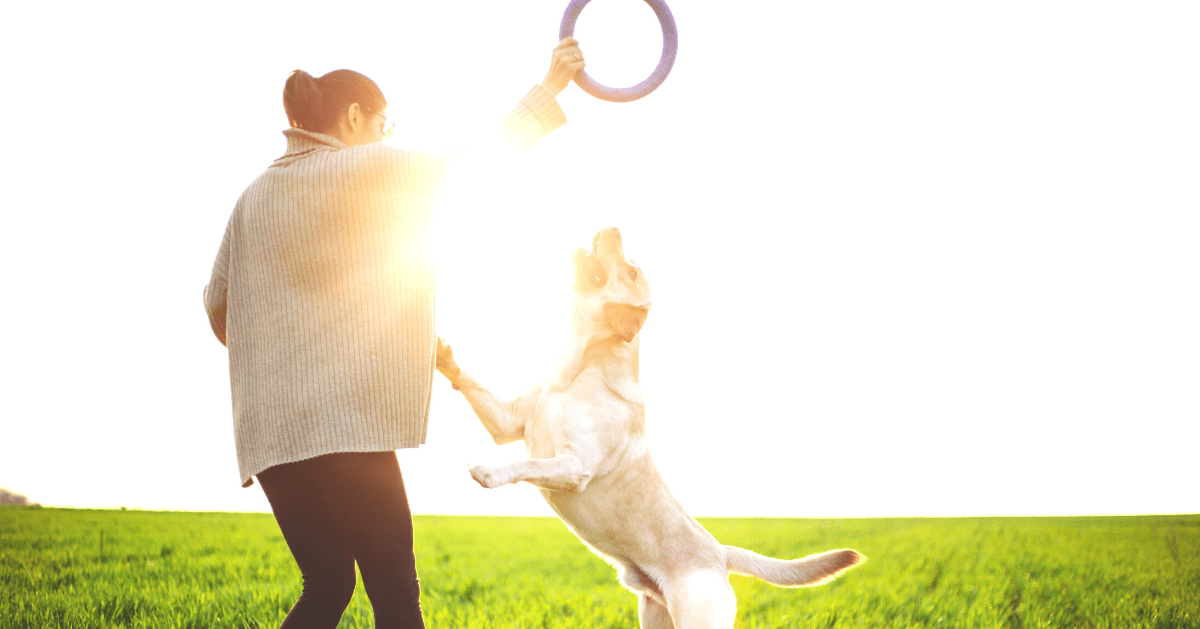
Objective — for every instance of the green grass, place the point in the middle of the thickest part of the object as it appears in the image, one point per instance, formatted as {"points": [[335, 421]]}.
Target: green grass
{"points": [[198, 570]]}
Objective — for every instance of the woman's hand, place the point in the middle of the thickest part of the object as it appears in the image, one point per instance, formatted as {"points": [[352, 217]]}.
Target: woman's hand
{"points": [[564, 63]]}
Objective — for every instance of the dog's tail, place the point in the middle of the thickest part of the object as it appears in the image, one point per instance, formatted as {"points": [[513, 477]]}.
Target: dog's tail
{"points": [[811, 570]]}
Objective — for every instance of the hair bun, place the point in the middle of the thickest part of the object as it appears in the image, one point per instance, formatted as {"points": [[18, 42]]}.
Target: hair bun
{"points": [[302, 101], [314, 104]]}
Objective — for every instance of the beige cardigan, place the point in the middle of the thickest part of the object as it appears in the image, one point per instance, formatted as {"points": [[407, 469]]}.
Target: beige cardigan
{"points": [[323, 290]]}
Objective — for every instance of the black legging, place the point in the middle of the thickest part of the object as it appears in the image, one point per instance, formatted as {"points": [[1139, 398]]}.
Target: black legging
{"points": [[340, 508]]}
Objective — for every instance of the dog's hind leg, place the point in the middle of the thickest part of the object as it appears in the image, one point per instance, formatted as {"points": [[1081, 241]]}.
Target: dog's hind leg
{"points": [[653, 614], [701, 599]]}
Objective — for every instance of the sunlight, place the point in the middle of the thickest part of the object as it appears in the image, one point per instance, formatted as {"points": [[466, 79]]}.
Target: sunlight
{"points": [[504, 277], [952, 237]]}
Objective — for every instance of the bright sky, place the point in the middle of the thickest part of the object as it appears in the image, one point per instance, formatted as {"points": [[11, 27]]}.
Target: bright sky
{"points": [[920, 258]]}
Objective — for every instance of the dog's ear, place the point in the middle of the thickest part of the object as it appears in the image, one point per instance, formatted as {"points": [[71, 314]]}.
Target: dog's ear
{"points": [[625, 319], [589, 273]]}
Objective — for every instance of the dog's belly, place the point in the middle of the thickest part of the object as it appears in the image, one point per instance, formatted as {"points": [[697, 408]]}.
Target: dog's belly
{"points": [[626, 513], [629, 516]]}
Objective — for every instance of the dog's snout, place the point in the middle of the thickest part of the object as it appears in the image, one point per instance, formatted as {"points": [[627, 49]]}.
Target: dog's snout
{"points": [[605, 235], [607, 244]]}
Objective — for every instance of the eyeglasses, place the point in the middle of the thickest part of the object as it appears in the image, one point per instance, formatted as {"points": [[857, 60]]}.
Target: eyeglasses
{"points": [[387, 128]]}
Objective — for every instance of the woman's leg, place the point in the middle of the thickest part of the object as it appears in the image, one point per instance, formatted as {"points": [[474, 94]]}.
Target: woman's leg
{"points": [[371, 509], [325, 561]]}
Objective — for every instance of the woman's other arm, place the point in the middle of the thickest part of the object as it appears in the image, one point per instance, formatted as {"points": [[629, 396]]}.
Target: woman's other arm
{"points": [[216, 293]]}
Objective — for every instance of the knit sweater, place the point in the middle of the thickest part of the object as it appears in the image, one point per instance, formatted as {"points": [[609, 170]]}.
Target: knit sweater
{"points": [[323, 291]]}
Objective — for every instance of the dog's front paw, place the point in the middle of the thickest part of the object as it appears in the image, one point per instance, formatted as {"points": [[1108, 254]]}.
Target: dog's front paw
{"points": [[489, 477], [445, 362]]}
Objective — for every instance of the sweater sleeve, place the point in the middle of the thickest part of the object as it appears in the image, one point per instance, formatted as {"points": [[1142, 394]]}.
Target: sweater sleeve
{"points": [[217, 291], [534, 117]]}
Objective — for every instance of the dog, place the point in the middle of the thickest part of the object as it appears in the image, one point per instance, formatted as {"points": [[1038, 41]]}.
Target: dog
{"points": [[584, 432]]}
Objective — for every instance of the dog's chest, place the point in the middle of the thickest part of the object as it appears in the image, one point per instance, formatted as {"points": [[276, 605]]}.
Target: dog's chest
{"points": [[590, 411]]}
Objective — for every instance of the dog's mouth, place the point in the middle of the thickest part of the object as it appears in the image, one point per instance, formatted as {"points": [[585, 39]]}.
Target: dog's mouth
{"points": [[626, 319]]}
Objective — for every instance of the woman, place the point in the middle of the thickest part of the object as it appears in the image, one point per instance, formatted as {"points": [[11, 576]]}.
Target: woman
{"points": [[323, 291]]}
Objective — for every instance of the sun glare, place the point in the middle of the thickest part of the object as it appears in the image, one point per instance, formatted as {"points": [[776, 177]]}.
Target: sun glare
{"points": [[504, 276]]}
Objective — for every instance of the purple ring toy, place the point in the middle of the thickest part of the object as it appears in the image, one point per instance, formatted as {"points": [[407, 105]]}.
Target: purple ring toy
{"points": [[626, 94]]}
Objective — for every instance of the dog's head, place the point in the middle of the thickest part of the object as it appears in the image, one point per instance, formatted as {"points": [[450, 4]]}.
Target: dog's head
{"points": [[610, 290]]}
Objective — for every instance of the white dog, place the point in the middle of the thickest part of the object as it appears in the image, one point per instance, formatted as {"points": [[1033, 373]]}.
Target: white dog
{"points": [[584, 430]]}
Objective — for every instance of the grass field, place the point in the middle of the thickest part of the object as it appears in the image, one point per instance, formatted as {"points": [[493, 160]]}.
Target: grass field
{"points": [[78, 568]]}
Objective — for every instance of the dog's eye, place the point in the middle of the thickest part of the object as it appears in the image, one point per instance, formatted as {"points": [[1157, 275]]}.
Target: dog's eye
{"points": [[633, 274]]}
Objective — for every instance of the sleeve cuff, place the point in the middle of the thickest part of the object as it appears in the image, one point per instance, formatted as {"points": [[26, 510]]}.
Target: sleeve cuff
{"points": [[535, 116], [542, 103]]}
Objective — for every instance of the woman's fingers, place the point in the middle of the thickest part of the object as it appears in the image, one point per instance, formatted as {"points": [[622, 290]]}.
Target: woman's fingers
{"points": [[570, 54], [566, 60], [569, 49]]}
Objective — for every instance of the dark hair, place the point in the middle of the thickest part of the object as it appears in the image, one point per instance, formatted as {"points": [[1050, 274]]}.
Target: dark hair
{"points": [[314, 104]]}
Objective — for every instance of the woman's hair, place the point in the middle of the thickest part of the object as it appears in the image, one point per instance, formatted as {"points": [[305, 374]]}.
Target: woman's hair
{"points": [[314, 104]]}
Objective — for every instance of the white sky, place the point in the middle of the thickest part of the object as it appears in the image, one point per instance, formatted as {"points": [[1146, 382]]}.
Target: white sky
{"points": [[922, 258]]}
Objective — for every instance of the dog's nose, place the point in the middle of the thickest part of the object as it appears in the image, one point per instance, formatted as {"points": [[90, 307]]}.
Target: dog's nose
{"points": [[607, 243]]}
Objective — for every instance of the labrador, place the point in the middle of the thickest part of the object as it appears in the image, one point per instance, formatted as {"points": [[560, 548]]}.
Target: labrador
{"points": [[584, 432]]}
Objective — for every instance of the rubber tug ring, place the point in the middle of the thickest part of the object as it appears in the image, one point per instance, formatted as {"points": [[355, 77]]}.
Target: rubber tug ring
{"points": [[626, 94]]}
